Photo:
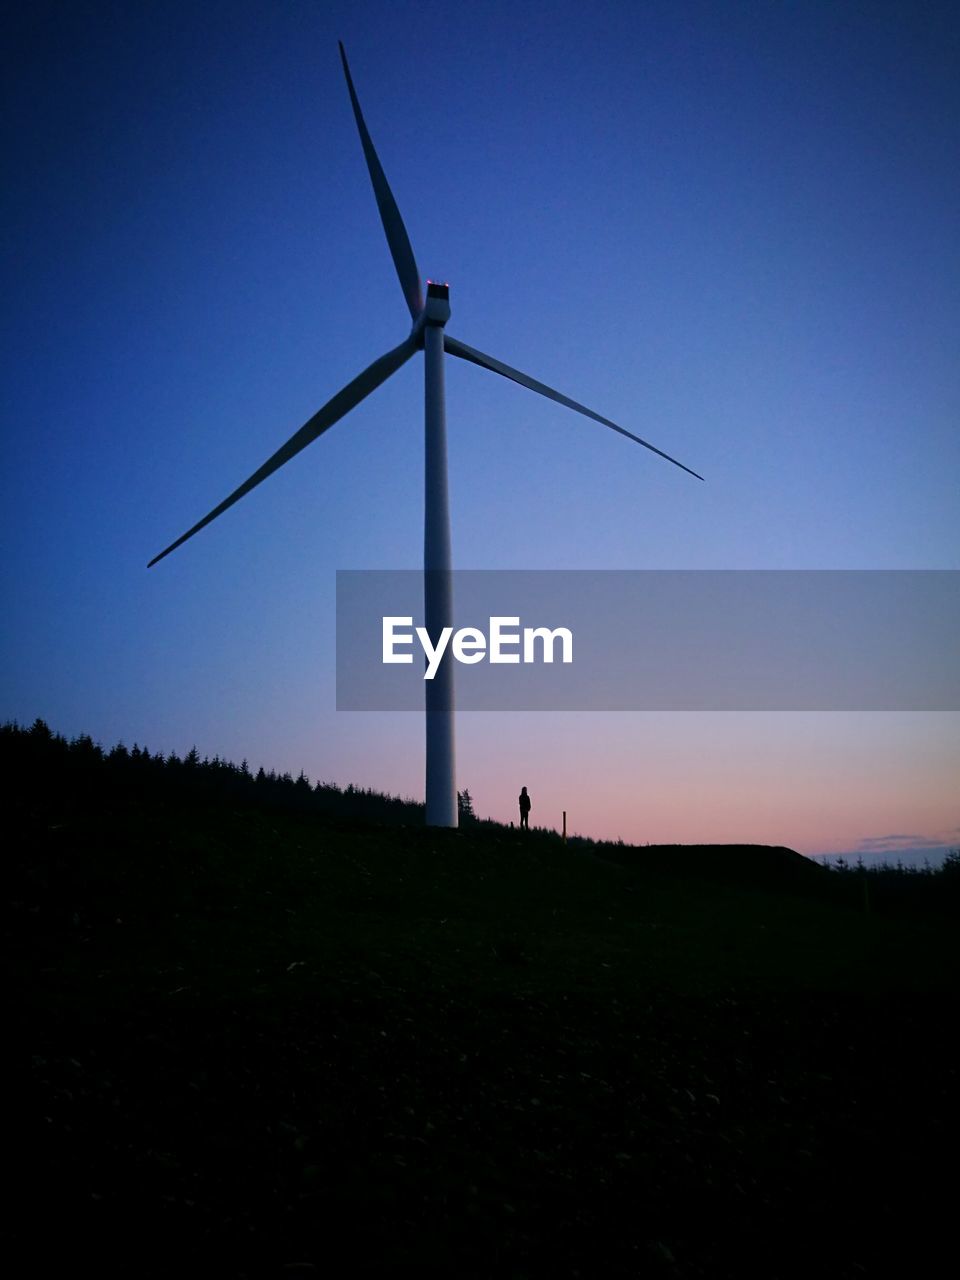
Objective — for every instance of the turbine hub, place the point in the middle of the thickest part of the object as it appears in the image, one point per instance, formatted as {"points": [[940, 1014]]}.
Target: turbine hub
{"points": [[437, 307]]}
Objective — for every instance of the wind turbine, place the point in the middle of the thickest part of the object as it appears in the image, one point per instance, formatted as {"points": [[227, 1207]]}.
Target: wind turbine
{"points": [[429, 317]]}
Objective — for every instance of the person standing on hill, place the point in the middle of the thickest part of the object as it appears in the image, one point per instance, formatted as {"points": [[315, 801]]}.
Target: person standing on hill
{"points": [[524, 801]]}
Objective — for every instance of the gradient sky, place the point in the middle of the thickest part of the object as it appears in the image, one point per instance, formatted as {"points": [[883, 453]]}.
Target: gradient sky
{"points": [[733, 228]]}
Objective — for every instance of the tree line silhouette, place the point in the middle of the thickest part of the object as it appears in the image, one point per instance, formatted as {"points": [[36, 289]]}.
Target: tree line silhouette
{"points": [[50, 773]]}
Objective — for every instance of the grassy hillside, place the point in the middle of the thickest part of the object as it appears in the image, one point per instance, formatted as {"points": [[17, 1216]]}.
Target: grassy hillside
{"points": [[255, 1043]]}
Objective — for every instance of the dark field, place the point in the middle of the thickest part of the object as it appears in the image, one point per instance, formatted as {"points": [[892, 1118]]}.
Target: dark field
{"points": [[267, 1044]]}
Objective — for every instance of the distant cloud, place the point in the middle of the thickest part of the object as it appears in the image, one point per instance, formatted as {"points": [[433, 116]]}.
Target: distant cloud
{"points": [[910, 849], [890, 844], [912, 855]]}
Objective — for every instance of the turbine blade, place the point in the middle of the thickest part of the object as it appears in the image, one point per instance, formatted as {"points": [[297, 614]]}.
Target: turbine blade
{"points": [[332, 411], [397, 237], [457, 348]]}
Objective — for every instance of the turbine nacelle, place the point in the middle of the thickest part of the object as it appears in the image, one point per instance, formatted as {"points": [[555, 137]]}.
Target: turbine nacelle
{"points": [[436, 310]]}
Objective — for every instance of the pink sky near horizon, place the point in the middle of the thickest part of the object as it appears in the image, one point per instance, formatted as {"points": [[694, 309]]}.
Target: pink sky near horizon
{"points": [[805, 780], [816, 782]]}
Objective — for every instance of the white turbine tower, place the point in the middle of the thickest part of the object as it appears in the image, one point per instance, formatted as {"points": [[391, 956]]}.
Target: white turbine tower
{"points": [[429, 318]]}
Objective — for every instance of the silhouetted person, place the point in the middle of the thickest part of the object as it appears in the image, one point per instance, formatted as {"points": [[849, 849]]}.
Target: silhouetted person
{"points": [[524, 802]]}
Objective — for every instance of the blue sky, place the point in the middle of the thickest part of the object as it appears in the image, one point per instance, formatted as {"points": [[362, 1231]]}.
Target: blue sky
{"points": [[731, 228]]}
